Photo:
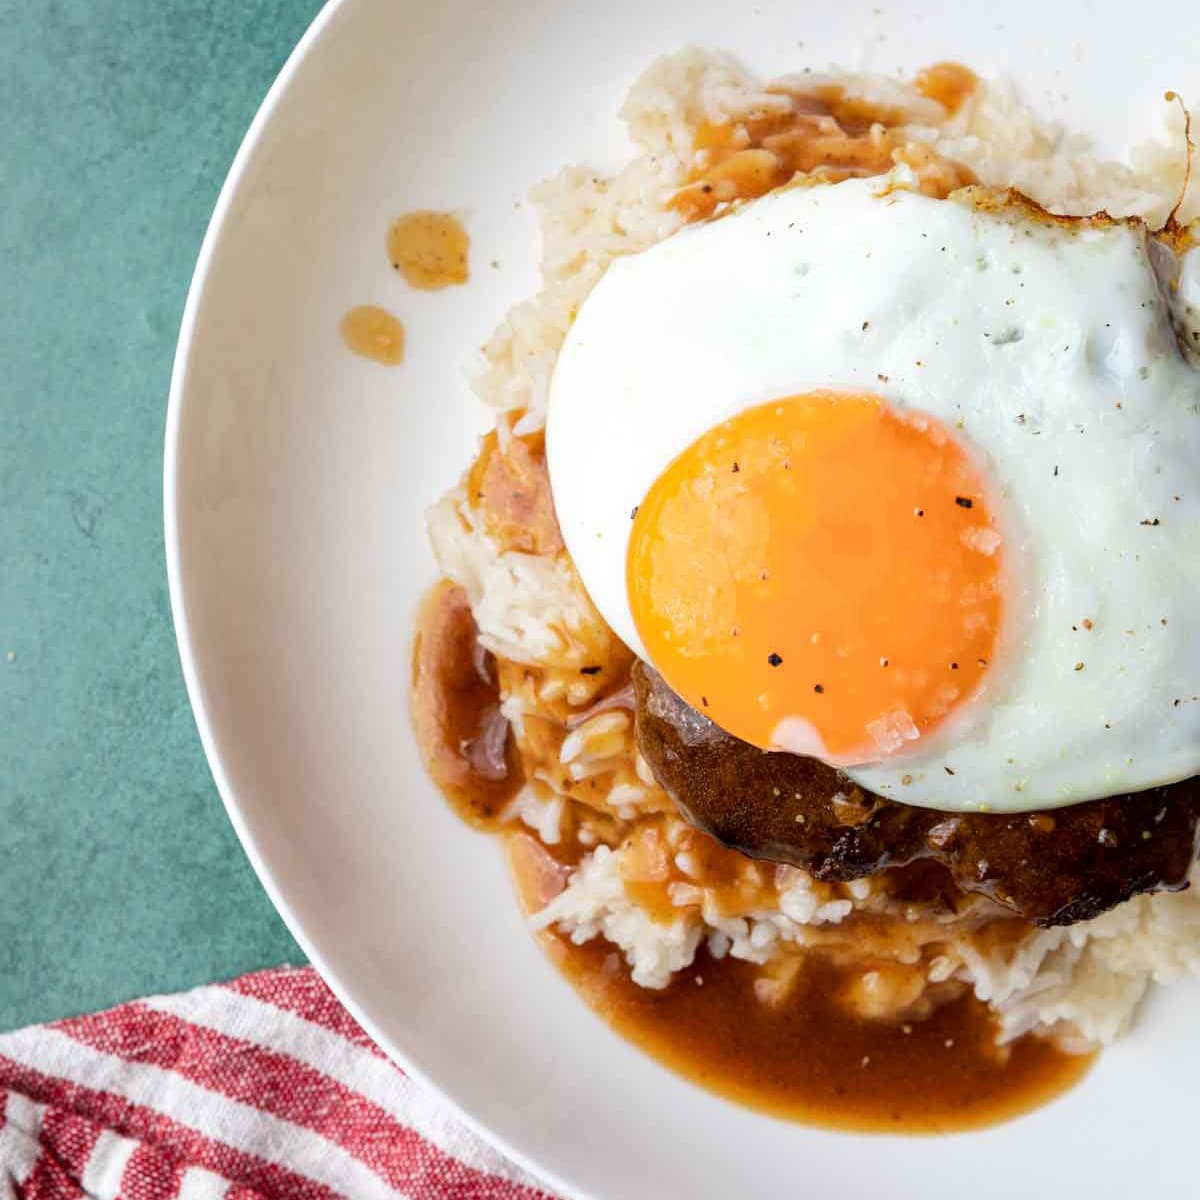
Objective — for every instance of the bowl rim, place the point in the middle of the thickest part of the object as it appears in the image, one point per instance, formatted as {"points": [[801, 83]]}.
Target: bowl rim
{"points": [[181, 368], [230, 195]]}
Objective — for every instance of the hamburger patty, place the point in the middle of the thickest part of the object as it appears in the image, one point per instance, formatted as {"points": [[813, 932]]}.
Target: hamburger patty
{"points": [[1053, 868]]}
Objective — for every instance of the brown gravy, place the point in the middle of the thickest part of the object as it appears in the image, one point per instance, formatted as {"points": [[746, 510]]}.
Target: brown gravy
{"points": [[429, 249], [511, 489], [373, 333], [824, 132], [806, 1058], [949, 83], [456, 710]]}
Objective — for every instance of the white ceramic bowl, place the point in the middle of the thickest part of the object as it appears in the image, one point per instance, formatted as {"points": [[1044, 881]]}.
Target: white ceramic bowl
{"points": [[296, 478]]}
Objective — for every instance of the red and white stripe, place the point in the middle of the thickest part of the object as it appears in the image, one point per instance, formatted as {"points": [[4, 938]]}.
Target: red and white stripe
{"points": [[264, 1087]]}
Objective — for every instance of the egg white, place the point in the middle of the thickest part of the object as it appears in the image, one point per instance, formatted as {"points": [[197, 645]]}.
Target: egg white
{"points": [[1047, 346]]}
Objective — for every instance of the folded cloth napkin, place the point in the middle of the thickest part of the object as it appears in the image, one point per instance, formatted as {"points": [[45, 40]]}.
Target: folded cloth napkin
{"points": [[264, 1087]]}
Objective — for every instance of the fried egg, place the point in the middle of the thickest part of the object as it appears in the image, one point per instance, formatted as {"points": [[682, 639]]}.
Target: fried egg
{"points": [[906, 484]]}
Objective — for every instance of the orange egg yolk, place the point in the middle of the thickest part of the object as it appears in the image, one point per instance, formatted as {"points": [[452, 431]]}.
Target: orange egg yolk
{"points": [[820, 574]]}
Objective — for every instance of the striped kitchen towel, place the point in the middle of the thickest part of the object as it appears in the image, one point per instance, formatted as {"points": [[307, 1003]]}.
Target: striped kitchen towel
{"points": [[264, 1087]]}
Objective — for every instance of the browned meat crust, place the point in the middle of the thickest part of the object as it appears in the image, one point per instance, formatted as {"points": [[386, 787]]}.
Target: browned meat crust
{"points": [[1053, 868]]}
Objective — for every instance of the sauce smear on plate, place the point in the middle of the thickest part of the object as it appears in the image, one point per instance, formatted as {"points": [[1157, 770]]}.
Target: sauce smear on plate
{"points": [[372, 332], [429, 249], [805, 1058]]}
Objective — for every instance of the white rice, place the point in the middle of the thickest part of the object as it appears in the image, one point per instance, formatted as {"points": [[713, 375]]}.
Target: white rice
{"points": [[588, 220], [1082, 982], [528, 607], [1088, 978]]}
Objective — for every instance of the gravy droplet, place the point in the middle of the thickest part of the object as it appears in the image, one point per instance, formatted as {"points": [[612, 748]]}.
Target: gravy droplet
{"points": [[429, 249], [374, 333]]}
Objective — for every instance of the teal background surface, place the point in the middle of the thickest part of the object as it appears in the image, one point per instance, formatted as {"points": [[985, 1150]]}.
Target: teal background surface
{"points": [[119, 872]]}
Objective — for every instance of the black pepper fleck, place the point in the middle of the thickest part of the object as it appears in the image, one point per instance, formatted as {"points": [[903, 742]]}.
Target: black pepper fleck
{"points": [[964, 501], [774, 659], [589, 670], [819, 688], [633, 512]]}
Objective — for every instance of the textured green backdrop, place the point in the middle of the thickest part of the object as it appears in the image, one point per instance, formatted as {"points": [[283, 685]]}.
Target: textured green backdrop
{"points": [[120, 874]]}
